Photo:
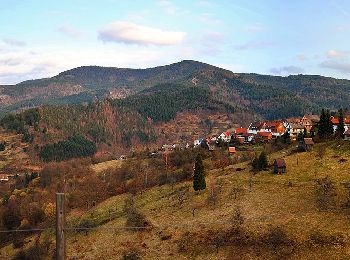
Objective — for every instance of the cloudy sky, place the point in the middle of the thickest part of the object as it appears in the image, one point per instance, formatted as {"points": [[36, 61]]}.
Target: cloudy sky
{"points": [[40, 38]]}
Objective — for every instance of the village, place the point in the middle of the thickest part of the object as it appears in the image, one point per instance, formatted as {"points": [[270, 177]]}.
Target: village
{"points": [[266, 131], [300, 130]]}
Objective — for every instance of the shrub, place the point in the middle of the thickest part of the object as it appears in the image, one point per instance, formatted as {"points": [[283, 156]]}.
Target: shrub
{"points": [[325, 193], [276, 238], [134, 218], [131, 254]]}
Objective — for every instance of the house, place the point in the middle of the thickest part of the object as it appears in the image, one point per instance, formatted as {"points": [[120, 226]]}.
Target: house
{"points": [[335, 122], [277, 128], [279, 166], [306, 144], [255, 127], [240, 139], [310, 121], [263, 136], [295, 130], [241, 131], [347, 135], [4, 178], [232, 150], [225, 136], [197, 142]]}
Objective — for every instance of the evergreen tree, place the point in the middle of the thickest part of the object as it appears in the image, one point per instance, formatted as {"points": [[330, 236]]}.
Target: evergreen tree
{"points": [[305, 133], [300, 136], [255, 163], [325, 126], [341, 128], [263, 163], [199, 178]]}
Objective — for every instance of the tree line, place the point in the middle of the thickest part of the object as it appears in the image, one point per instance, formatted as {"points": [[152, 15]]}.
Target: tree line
{"points": [[74, 147]]}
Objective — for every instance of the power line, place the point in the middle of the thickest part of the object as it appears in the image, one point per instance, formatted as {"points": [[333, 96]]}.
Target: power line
{"points": [[106, 228], [26, 230]]}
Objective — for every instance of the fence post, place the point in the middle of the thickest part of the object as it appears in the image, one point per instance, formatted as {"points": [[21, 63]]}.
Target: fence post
{"points": [[60, 225]]}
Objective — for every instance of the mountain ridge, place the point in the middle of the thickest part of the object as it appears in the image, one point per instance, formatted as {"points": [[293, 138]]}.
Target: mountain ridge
{"points": [[263, 94]]}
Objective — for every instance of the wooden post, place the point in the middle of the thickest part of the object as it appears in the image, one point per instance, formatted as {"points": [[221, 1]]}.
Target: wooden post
{"points": [[60, 225]]}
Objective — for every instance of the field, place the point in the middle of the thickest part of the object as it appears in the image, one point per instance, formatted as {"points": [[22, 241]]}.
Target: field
{"points": [[183, 224], [266, 201]]}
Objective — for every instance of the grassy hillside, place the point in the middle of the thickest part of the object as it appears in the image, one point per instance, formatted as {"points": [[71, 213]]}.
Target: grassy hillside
{"points": [[281, 216]]}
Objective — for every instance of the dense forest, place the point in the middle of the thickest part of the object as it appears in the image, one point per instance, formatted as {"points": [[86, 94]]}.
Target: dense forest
{"points": [[74, 147], [164, 101], [267, 96]]}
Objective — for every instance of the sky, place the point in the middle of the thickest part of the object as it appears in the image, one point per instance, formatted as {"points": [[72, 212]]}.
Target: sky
{"points": [[40, 38]]}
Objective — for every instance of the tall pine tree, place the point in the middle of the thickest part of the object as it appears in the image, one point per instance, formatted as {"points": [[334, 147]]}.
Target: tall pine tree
{"points": [[325, 126], [341, 127], [199, 178], [263, 162]]}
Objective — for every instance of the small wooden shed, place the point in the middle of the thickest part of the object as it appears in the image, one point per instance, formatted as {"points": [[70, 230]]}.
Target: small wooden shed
{"points": [[279, 166], [232, 150], [308, 144]]}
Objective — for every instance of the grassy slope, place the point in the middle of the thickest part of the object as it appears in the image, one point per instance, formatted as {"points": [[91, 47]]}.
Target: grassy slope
{"points": [[270, 203]]}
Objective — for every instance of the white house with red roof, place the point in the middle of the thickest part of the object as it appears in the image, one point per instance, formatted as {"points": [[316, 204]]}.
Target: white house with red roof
{"points": [[225, 136], [335, 122], [347, 135]]}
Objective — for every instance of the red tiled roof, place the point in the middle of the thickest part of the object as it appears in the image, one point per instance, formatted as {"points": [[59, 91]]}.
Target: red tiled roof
{"points": [[273, 123], [227, 134], [335, 120], [241, 130], [308, 141], [264, 134]]}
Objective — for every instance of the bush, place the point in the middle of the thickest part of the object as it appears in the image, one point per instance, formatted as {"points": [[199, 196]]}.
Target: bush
{"points": [[36, 252], [317, 238], [131, 254], [2, 146], [325, 193], [276, 238], [134, 218]]}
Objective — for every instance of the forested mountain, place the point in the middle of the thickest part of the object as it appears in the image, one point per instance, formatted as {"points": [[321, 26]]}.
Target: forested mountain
{"points": [[180, 86]]}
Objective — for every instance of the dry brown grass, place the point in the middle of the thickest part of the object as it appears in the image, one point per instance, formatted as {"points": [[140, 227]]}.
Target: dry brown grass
{"points": [[103, 166], [270, 202]]}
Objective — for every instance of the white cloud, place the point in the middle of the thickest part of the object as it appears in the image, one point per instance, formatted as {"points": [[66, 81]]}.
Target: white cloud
{"points": [[343, 28], [286, 70], [131, 33], [254, 45], [343, 67], [210, 19], [69, 31], [168, 7], [336, 54], [254, 28], [13, 42], [211, 43], [302, 57], [46, 62]]}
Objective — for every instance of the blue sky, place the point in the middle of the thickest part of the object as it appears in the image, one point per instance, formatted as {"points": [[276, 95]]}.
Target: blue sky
{"points": [[40, 38]]}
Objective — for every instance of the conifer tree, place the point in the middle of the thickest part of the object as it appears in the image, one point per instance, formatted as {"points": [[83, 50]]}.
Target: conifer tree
{"points": [[341, 128], [325, 126], [263, 163], [305, 133], [199, 178]]}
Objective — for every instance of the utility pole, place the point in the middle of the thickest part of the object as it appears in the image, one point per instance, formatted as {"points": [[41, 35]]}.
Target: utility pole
{"points": [[60, 225]]}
